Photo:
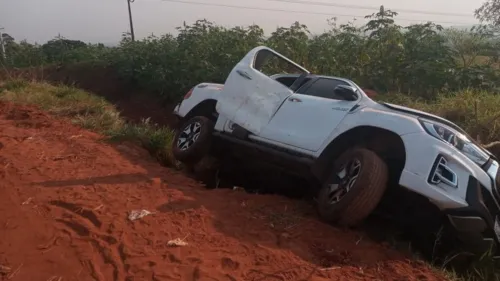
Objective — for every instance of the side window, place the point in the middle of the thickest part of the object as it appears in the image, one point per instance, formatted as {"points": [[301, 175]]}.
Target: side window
{"points": [[323, 88], [269, 64]]}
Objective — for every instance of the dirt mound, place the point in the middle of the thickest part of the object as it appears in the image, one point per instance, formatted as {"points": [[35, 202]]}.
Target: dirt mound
{"points": [[24, 116], [65, 198]]}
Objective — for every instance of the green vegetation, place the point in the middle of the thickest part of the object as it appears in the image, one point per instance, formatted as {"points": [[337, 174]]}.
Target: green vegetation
{"points": [[476, 111], [418, 60], [90, 112], [484, 269], [489, 12]]}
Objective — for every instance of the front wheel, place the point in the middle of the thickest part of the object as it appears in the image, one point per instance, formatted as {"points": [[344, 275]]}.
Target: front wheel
{"points": [[193, 139], [354, 188]]}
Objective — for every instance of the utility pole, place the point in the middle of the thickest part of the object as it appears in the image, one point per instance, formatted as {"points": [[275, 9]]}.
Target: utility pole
{"points": [[2, 43], [130, 19]]}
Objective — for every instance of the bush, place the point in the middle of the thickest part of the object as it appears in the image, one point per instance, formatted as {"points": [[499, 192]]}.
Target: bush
{"points": [[419, 60], [476, 111]]}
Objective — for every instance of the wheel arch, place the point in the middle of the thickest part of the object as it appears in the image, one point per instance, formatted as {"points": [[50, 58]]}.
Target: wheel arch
{"points": [[205, 108], [387, 144]]}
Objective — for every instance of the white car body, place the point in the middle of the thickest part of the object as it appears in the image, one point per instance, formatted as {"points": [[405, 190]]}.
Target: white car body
{"points": [[274, 114]]}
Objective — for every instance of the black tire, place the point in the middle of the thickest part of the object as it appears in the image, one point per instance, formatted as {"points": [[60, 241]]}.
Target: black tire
{"points": [[200, 147], [363, 196]]}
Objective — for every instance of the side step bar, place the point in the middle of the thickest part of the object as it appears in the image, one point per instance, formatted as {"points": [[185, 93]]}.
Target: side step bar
{"points": [[303, 160]]}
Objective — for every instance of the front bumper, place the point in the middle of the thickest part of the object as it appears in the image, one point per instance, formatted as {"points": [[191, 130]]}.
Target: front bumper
{"points": [[470, 198], [478, 224]]}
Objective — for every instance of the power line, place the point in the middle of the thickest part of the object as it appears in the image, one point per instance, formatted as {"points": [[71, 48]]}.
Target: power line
{"points": [[292, 11], [369, 8]]}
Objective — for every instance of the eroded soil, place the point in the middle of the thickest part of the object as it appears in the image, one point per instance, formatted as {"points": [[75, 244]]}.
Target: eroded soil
{"points": [[65, 197]]}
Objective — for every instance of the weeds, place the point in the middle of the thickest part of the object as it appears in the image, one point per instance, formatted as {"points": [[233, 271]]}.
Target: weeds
{"points": [[14, 85], [157, 140], [484, 268]]}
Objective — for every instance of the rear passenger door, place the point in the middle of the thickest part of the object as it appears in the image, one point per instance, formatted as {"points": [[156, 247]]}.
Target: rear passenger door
{"points": [[308, 117], [250, 98]]}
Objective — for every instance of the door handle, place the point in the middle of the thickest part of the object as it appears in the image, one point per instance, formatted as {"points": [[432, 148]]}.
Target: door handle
{"points": [[294, 100], [244, 74]]}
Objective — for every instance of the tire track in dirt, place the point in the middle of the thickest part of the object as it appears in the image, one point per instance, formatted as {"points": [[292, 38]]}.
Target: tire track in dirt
{"points": [[85, 225], [88, 214]]}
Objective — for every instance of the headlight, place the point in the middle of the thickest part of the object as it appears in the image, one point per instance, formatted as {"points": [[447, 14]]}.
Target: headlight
{"points": [[456, 139]]}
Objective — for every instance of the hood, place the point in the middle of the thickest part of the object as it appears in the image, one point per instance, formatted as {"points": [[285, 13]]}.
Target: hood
{"points": [[435, 118], [422, 114]]}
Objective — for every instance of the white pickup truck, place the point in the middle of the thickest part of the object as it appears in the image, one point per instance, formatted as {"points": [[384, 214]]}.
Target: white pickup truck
{"points": [[328, 131]]}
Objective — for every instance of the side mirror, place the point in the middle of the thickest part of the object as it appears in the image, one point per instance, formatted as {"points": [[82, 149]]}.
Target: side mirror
{"points": [[346, 92]]}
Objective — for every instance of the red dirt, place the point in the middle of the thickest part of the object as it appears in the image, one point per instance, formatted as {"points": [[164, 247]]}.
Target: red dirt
{"points": [[64, 202]]}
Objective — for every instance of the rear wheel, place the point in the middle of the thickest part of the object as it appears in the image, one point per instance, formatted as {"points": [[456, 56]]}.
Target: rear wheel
{"points": [[355, 187], [193, 139]]}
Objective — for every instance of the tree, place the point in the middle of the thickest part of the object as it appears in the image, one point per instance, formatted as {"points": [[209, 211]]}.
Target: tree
{"points": [[7, 38], [56, 48], [467, 45], [489, 12], [385, 49]]}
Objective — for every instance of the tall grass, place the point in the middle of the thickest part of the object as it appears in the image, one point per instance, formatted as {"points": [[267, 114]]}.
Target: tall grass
{"points": [[476, 111]]}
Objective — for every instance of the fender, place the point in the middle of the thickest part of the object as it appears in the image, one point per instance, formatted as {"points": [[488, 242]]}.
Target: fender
{"points": [[200, 93], [363, 123], [375, 116]]}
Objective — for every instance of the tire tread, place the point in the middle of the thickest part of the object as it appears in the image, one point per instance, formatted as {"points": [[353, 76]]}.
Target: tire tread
{"points": [[373, 188], [365, 194]]}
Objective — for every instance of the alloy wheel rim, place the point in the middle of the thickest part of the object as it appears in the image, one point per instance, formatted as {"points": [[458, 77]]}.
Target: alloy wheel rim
{"points": [[348, 175], [189, 136]]}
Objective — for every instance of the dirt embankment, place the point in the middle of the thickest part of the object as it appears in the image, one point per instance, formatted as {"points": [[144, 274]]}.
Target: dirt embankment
{"points": [[65, 196], [103, 81]]}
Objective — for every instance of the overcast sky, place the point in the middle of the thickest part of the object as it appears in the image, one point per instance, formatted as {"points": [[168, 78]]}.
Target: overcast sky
{"points": [[105, 20]]}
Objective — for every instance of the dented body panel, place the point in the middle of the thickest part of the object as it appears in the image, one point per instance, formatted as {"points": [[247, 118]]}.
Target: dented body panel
{"points": [[251, 98], [287, 116]]}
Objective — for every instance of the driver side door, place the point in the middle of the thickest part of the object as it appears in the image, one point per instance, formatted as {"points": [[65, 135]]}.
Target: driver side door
{"points": [[250, 98]]}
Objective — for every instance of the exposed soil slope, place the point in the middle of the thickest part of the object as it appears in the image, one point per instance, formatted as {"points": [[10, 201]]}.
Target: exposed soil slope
{"points": [[102, 81], [65, 196]]}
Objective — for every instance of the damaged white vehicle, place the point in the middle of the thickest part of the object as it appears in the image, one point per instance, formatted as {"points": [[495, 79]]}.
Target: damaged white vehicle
{"points": [[352, 150]]}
